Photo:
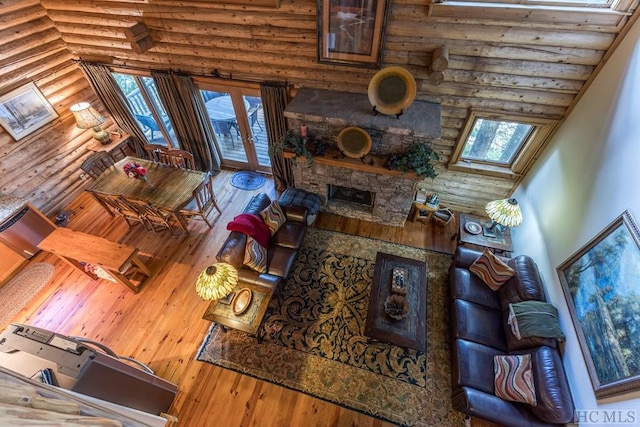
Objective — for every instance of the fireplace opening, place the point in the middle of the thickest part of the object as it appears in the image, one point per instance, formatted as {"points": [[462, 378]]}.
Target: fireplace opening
{"points": [[353, 196]]}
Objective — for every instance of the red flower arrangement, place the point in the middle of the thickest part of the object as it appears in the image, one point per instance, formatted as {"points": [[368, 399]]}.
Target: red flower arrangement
{"points": [[135, 170]]}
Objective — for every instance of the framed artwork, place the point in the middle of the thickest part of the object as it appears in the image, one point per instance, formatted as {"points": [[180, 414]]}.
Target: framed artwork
{"points": [[350, 32], [25, 110], [601, 283]]}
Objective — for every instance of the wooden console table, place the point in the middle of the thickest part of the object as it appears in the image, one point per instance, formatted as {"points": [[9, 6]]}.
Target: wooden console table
{"points": [[74, 247]]}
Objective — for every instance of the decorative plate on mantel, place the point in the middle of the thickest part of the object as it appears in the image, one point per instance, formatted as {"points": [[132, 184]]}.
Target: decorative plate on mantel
{"points": [[392, 90], [354, 142]]}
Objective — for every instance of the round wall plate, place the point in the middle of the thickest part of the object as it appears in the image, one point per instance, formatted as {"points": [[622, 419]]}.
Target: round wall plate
{"points": [[392, 90], [354, 142]]}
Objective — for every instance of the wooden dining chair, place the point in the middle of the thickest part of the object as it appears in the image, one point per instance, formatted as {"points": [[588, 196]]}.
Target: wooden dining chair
{"points": [[203, 202], [157, 153], [156, 218], [97, 163], [180, 159], [106, 201], [130, 212]]}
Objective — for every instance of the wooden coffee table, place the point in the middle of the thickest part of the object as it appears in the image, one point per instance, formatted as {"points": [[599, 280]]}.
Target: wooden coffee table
{"points": [[411, 331], [250, 320]]}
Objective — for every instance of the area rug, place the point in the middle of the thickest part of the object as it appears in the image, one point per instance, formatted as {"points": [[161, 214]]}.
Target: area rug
{"points": [[313, 338], [247, 180], [20, 290]]}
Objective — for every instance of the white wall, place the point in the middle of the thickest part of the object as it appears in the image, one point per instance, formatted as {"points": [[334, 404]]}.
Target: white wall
{"points": [[588, 175]]}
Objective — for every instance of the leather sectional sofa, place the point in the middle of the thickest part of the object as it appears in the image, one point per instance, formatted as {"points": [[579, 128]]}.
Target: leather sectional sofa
{"points": [[282, 248], [479, 331]]}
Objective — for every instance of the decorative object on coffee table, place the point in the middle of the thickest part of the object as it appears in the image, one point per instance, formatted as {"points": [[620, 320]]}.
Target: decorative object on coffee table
{"points": [[399, 280], [217, 281], [396, 306], [242, 301]]}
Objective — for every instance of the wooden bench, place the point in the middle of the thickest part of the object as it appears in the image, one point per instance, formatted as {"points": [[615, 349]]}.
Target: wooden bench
{"points": [[77, 248]]}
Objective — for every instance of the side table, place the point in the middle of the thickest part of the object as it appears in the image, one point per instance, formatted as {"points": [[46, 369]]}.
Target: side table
{"points": [[250, 320], [500, 244], [422, 212]]}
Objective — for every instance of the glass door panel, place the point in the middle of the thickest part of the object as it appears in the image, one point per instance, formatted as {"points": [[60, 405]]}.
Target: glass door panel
{"points": [[225, 125], [257, 129]]}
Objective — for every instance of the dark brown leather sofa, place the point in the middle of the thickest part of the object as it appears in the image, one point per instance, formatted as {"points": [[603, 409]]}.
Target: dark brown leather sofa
{"points": [[283, 246], [479, 331]]}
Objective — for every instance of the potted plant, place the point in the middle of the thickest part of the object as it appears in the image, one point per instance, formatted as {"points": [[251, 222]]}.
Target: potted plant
{"points": [[294, 143], [417, 157]]}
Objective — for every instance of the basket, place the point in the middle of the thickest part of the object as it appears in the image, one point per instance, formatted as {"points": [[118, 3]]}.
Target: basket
{"points": [[443, 216]]}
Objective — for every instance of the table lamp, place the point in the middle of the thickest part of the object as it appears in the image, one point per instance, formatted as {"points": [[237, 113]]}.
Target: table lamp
{"points": [[503, 213], [88, 118], [217, 281]]}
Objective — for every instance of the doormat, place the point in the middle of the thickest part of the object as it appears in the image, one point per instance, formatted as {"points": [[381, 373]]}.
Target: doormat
{"points": [[248, 180], [20, 290], [313, 336]]}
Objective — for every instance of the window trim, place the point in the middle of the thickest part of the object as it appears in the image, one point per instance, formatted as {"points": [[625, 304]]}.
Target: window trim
{"points": [[522, 160]]}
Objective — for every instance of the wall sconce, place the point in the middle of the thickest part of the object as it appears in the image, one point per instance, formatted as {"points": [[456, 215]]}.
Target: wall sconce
{"points": [[88, 118], [503, 213], [217, 281]]}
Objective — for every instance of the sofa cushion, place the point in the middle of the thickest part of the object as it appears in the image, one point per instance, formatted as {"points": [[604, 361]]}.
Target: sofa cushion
{"points": [[493, 271], [469, 287], [273, 216], [281, 260], [255, 255], [475, 322], [290, 235], [525, 285], [472, 365], [514, 379], [553, 394]]}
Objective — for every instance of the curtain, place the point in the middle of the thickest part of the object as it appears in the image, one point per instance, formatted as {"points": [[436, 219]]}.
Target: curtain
{"points": [[274, 100], [187, 112], [115, 102]]}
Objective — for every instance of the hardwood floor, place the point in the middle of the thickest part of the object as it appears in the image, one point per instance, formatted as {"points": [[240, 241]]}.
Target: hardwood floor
{"points": [[162, 325]]}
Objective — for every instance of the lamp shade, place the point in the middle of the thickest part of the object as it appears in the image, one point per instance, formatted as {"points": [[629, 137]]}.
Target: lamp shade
{"points": [[505, 212], [217, 281], [86, 116]]}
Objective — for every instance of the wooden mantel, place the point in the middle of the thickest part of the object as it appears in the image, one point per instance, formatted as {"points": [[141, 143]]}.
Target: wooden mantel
{"points": [[371, 163]]}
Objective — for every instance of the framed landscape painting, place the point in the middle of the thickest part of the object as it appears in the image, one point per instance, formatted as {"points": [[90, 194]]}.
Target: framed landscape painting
{"points": [[351, 32], [601, 283], [25, 110]]}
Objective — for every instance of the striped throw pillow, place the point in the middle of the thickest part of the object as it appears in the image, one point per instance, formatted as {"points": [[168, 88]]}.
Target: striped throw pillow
{"points": [[513, 378], [492, 270], [255, 255], [273, 216]]}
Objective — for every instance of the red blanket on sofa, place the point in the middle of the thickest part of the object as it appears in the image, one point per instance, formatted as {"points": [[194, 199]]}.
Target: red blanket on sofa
{"points": [[251, 225]]}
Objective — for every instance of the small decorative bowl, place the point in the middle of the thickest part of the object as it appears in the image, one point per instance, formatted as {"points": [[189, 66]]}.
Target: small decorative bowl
{"points": [[396, 306]]}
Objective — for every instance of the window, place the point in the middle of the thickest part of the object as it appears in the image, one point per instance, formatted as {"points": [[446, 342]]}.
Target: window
{"points": [[499, 145], [146, 108]]}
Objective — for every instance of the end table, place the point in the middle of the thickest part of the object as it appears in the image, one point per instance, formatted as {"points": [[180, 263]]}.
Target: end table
{"points": [[500, 244]]}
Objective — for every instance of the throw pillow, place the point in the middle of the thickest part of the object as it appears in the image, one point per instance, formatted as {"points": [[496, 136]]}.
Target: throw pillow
{"points": [[273, 216], [492, 270], [534, 319], [255, 256], [513, 378]]}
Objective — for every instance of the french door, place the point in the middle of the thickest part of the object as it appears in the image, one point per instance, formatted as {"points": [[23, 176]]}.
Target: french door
{"points": [[237, 119]]}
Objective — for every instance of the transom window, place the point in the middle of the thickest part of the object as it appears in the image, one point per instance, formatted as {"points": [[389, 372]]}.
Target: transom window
{"points": [[499, 145]]}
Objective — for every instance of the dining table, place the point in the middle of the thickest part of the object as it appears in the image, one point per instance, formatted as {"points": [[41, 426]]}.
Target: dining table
{"points": [[166, 187]]}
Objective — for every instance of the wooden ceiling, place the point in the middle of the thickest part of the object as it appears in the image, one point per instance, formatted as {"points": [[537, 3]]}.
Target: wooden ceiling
{"points": [[511, 59]]}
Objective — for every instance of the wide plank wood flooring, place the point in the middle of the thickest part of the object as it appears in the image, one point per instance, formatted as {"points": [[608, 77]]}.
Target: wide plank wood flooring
{"points": [[162, 325]]}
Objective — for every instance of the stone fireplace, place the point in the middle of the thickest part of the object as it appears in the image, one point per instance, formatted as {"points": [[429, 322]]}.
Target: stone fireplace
{"points": [[360, 188]]}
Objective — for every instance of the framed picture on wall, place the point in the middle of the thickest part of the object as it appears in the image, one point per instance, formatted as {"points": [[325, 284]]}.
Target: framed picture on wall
{"points": [[350, 32], [25, 110], [601, 283]]}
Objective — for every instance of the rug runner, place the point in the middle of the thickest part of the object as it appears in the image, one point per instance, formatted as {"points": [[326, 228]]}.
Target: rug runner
{"points": [[313, 337]]}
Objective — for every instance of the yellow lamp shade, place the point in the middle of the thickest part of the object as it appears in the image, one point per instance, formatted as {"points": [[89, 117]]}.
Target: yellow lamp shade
{"points": [[505, 212], [217, 281]]}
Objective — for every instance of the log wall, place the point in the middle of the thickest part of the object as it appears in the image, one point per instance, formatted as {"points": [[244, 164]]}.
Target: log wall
{"points": [[508, 58]]}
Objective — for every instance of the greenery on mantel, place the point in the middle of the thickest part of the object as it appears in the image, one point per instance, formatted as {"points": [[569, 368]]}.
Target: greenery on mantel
{"points": [[418, 158], [294, 143]]}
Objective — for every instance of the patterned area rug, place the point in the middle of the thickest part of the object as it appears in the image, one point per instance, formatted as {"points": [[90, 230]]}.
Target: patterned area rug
{"points": [[20, 290], [247, 180], [314, 342]]}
